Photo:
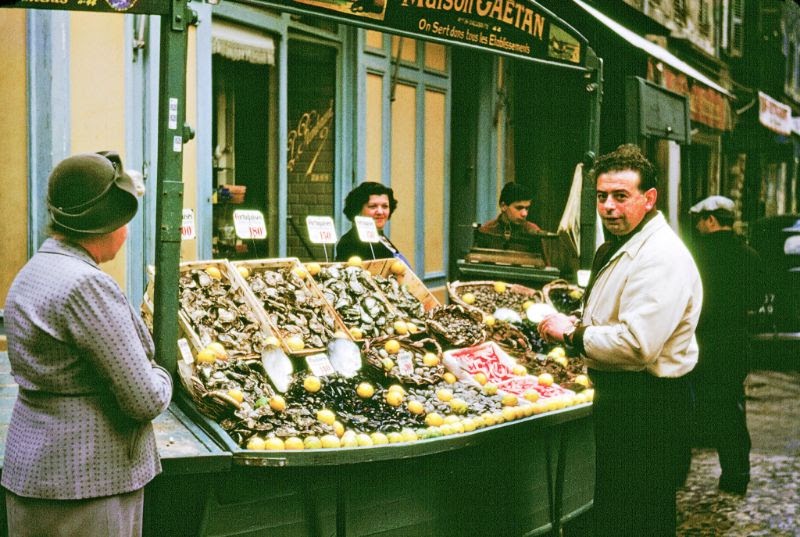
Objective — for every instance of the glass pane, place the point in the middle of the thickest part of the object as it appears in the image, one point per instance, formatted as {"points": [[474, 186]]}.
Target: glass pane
{"points": [[404, 150], [374, 134], [435, 56], [434, 181]]}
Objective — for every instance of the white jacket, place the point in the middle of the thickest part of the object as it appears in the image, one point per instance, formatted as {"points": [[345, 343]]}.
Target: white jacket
{"points": [[644, 306]]}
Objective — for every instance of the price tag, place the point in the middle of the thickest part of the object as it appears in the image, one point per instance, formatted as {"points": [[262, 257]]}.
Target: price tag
{"points": [[321, 229], [249, 224], [205, 340], [187, 225], [320, 365], [405, 362], [367, 231], [186, 352]]}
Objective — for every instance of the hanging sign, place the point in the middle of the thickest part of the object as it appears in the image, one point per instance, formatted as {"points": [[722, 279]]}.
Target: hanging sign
{"points": [[518, 28], [146, 7], [187, 225], [367, 231], [249, 224], [774, 115], [321, 229]]}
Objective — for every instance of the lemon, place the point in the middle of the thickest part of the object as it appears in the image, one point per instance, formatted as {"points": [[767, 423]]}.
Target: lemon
{"points": [[295, 343], [561, 360], [388, 364], [527, 304], [397, 268], [273, 443], [500, 287], [480, 378], [519, 370], [218, 350], [364, 439], [444, 394], [583, 380], [589, 394], [214, 272], [555, 352], [349, 439], [400, 328], [434, 419], [394, 437], [256, 443], [489, 320], [355, 261], [531, 395], [488, 419], [272, 341], [277, 403], [412, 328], [236, 394], [379, 438], [244, 272], [394, 398], [447, 429], [415, 407], [468, 298], [469, 425], [356, 333], [490, 388], [206, 356], [430, 359], [312, 442], [510, 399], [329, 441], [365, 390], [409, 435], [312, 384], [459, 406], [450, 419], [509, 414], [450, 378], [546, 379], [576, 294], [313, 268], [397, 388], [338, 428], [300, 272], [326, 416], [293, 443], [458, 427], [392, 346]]}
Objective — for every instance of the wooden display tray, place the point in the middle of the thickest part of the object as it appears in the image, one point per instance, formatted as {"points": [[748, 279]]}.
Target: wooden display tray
{"points": [[311, 285], [383, 267]]}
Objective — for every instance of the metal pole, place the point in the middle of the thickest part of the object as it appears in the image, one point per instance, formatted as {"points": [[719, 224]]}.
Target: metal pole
{"points": [[172, 134], [594, 86]]}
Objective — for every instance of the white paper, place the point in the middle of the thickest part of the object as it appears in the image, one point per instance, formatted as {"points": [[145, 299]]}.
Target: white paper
{"points": [[321, 229], [249, 224], [367, 231], [187, 225]]}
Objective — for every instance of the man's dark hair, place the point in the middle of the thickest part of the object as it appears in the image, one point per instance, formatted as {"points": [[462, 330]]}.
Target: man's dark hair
{"points": [[515, 192], [359, 196], [725, 218], [627, 157]]}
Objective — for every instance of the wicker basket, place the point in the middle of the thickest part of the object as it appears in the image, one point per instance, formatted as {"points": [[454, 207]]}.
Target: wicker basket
{"points": [[556, 293], [422, 375], [383, 267], [456, 326], [515, 295], [510, 338], [310, 286]]}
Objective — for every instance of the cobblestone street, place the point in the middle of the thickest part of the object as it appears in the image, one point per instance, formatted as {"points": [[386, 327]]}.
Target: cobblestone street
{"points": [[771, 504]]}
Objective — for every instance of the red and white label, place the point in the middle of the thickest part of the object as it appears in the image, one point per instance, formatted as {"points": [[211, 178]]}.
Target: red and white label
{"points": [[249, 224], [367, 230], [187, 225], [321, 229]]}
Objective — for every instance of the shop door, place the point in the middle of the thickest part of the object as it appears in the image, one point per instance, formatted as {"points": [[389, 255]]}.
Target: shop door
{"points": [[242, 111]]}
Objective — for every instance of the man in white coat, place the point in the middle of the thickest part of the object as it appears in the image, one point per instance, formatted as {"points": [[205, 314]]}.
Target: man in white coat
{"points": [[636, 333]]}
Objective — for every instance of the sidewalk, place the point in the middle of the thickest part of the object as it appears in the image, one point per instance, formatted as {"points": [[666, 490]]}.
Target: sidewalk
{"points": [[773, 497]]}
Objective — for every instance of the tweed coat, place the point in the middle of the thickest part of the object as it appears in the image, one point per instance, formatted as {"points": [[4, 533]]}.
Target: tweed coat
{"points": [[88, 388]]}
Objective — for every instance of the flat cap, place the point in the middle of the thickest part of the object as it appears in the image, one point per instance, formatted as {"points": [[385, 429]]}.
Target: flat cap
{"points": [[713, 203]]}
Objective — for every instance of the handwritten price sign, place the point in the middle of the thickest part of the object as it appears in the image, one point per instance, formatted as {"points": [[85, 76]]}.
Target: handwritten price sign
{"points": [[321, 229], [367, 231], [249, 224], [187, 225]]}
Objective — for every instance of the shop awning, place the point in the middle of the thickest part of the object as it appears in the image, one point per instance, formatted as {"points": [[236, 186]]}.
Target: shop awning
{"points": [[654, 50], [774, 115], [239, 43]]}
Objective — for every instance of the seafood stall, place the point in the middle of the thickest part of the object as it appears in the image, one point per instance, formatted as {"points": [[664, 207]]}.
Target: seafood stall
{"points": [[340, 389]]}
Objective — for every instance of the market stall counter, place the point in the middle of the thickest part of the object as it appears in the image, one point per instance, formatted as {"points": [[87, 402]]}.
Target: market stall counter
{"points": [[176, 499]]}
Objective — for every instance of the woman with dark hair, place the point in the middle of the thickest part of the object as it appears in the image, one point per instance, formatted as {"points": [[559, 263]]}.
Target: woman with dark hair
{"points": [[376, 201]]}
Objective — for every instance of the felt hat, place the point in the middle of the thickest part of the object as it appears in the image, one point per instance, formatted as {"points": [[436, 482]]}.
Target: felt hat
{"points": [[91, 193], [712, 204]]}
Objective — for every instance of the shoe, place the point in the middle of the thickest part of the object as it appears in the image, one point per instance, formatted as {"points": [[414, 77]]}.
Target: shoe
{"points": [[739, 489]]}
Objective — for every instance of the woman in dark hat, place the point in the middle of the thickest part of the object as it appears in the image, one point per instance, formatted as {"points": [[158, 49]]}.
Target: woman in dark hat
{"points": [[80, 445], [376, 201]]}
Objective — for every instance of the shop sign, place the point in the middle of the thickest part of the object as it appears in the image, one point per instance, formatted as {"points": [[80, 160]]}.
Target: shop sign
{"points": [[321, 229], [146, 7], [187, 225], [249, 224], [774, 115], [367, 231], [519, 28]]}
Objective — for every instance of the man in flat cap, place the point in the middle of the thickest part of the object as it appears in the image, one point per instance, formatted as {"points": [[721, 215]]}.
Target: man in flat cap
{"points": [[731, 274], [80, 445]]}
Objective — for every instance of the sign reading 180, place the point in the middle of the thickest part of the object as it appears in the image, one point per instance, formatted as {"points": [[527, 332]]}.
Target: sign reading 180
{"points": [[146, 7], [249, 224]]}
